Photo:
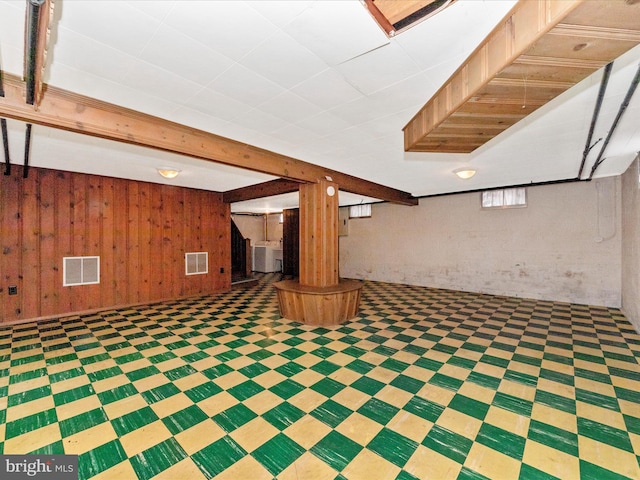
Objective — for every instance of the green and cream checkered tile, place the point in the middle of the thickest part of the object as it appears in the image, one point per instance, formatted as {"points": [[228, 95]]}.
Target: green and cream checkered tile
{"points": [[424, 383]]}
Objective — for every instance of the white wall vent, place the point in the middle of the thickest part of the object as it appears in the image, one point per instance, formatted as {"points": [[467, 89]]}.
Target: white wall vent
{"points": [[196, 263], [80, 271]]}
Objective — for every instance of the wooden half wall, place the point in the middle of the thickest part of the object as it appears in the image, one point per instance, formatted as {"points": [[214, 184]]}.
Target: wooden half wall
{"points": [[141, 232]]}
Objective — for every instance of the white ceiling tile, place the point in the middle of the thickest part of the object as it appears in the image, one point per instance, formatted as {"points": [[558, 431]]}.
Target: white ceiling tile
{"points": [[160, 83], [295, 134], [285, 99], [173, 51], [158, 9], [201, 121], [389, 125], [12, 37], [245, 86], [231, 27], [258, 120], [357, 111], [280, 12], [454, 31], [212, 103], [100, 20], [349, 137], [323, 124], [106, 90], [337, 30], [413, 91], [283, 61], [289, 107], [327, 89], [12, 60], [79, 52], [378, 69]]}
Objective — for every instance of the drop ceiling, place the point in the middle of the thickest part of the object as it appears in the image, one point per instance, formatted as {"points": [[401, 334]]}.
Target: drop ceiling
{"points": [[314, 80]]}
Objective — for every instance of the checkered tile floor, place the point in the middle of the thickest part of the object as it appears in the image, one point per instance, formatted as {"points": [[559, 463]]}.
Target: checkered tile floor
{"points": [[424, 384]]}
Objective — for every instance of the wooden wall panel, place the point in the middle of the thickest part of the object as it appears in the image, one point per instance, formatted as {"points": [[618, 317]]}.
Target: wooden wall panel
{"points": [[121, 232], [144, 241], [11, 262], [141, 232], [30, 241], [132, 244], [319, 234], [107, 263], [48, 261], [63, 235], [177, 259]]}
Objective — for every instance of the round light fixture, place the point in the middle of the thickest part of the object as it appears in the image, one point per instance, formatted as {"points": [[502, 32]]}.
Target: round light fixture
{"points": [[331, 191], [168, 172], [465, 173]]}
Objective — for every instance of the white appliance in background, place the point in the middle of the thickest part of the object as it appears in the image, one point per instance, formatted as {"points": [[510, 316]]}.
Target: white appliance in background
{"points": [[267, 257]]}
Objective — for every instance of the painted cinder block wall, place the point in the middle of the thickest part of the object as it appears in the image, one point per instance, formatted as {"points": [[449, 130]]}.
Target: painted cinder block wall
{"points": [[564, 246], [631, 243], [141, 231]]}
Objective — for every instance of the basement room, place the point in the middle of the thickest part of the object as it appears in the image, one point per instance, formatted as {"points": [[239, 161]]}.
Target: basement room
{"points": [[320, 239]]}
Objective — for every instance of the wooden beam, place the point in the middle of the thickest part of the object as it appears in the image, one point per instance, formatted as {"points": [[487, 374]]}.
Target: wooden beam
{"points": [[79, 114], [538, 51], [261, 190]]}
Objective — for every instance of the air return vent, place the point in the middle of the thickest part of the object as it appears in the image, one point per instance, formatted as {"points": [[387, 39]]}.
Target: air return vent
{"points": [[80, 271], [196, 263]]}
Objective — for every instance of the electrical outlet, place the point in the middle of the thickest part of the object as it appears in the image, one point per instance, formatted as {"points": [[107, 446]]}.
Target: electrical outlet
{"points": [[221, 269], [13, 289]]}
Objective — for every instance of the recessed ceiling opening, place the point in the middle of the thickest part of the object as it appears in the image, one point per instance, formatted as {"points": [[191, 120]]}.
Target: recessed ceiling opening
{"points": [[394, 17]]}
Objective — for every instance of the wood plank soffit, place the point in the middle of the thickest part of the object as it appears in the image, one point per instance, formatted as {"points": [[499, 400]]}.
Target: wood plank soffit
{"points": [[538, 51], [84, 115]]}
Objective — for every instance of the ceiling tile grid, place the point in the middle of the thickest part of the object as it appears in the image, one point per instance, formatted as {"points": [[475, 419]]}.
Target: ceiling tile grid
{"points": [[317, 80]]}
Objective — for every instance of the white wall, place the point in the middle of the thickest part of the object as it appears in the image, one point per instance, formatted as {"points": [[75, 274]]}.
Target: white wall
{"points": [[564, 246], [253, 227], [631, 244]]}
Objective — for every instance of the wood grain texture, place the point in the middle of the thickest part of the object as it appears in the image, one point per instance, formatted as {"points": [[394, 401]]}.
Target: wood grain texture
{"points": [[87, 116], [318, 234], [319, 306], [141, 232], [538, 51]]}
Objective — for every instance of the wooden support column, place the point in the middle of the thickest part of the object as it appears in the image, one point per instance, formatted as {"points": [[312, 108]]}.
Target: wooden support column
{"points": [[319, 297], [319, 234]]}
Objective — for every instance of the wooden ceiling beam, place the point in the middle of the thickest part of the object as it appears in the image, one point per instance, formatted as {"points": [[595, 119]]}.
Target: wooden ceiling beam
{"points": [[539, 50], [79, 114], [266, 189]]}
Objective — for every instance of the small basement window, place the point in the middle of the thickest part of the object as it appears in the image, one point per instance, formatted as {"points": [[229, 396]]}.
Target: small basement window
{"points": [[196, 263], [80, 271], [360, 211], [505, 198]]}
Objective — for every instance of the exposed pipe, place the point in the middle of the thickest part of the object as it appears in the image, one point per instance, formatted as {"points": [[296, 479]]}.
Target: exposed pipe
{"points": [[5, 135], [33, 19], [621, 110], [518, 185], [596, 113], [5, 142], [27, 148]]}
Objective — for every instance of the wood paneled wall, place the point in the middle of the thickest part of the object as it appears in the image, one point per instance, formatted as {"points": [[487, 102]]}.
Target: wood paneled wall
{"points": [[141, 232]]}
